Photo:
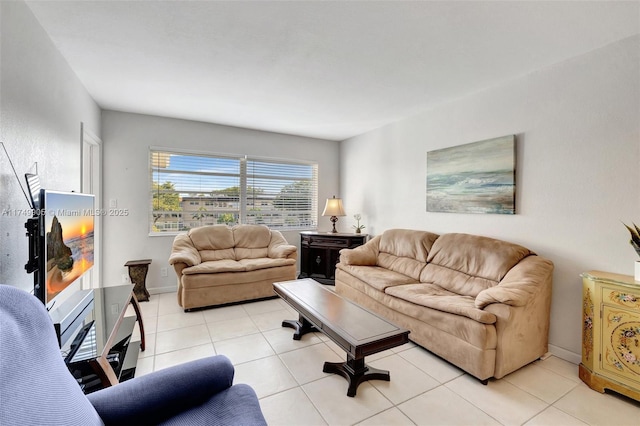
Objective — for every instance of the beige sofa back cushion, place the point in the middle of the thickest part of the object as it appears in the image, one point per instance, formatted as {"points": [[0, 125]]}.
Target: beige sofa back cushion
{"points": [[405, 251], [467, 264], [252, 241], [214, 242]]}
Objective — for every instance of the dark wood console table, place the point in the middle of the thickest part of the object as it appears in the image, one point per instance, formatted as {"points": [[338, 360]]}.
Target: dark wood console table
{"points": [[320, 251], [356, 330]]}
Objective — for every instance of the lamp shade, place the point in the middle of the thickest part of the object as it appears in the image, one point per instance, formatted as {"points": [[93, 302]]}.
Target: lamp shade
{"points": [[333, 207]]}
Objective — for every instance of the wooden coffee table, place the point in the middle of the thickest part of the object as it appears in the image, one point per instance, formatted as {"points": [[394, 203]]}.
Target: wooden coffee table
{"points": [[356, 330]]}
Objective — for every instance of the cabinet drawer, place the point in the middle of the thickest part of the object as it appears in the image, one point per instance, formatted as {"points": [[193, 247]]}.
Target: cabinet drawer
{"points": [[323, 241], [617, 296]]}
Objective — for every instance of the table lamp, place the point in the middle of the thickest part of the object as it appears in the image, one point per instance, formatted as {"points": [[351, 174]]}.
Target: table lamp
{"points": [[334, 209]]}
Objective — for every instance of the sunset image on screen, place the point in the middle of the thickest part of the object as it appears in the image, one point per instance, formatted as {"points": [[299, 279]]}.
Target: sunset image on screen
{"points": [[69, 222]]}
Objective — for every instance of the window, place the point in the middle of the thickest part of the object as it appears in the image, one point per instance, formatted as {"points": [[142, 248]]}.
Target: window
{"points": [[188, 190]]}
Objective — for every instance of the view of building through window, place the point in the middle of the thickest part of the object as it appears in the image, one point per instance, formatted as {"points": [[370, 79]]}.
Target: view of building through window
{"points": [[190, 190]]}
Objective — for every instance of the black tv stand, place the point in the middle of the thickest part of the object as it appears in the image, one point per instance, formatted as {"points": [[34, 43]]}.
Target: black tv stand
{"points": [[103, 352]]}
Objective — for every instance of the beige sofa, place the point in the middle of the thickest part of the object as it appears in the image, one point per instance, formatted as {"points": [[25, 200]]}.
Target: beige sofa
{"points": [[481, 304], [218, 264]]}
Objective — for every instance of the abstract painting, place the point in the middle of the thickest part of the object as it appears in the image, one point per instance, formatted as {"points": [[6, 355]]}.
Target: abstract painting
{"points": [[478, 177]]}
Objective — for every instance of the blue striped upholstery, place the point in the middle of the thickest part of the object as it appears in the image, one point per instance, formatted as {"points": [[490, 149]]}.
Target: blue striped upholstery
{"points": [[36, 387]]}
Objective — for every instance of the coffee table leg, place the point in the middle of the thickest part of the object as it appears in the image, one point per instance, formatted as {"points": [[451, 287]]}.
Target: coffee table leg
{"points": [[356, 372], [301, 326]]}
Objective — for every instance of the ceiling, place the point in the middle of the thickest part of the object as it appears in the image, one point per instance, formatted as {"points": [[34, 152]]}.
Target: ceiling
{"points": [[328, 70]]}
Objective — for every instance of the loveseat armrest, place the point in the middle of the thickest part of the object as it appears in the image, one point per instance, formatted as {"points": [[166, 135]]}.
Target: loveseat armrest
{"points": [[364, 255], [526, 279], [158, 396], [279, 248], [183, 251]]}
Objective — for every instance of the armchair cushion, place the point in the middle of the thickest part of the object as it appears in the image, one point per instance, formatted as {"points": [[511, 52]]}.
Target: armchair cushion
{"points": [[162, 396]]}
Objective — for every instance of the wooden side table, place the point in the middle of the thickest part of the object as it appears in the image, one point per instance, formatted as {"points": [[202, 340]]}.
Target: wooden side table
{"points": [[319, 253], [138, 273]]}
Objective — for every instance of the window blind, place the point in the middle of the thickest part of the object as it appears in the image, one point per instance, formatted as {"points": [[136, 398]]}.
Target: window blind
{"points": [[188, 190]]}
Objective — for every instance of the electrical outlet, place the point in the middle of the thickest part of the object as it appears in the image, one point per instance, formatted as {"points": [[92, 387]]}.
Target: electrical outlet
{"points": [[164, 272], [125, 279], [113, 203], [115, 309]]}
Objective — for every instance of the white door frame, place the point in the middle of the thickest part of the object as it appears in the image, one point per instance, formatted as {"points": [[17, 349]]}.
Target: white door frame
{"points": [[91, 183]]}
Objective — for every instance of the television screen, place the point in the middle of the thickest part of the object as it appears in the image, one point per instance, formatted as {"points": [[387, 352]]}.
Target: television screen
{"points": [[68, 231]]}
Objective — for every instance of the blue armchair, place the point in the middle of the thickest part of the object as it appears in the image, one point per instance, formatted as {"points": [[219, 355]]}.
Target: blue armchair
{"points": [[36, 388]]}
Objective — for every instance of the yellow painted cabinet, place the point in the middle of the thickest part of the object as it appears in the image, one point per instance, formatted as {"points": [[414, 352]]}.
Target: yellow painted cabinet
{"points": [[611, 333]]}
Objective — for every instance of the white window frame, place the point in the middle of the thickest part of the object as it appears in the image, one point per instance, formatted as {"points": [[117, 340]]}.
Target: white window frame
{"points": [[275, 220]]}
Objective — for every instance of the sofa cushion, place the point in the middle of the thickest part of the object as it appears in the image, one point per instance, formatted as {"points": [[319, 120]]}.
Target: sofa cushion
{"points": [[251, 241], [475, 333], [214, 242], [210, 281], [264, 263], [436, 297], [377, 277], [467, 264], [214, 267], [405, 251]]}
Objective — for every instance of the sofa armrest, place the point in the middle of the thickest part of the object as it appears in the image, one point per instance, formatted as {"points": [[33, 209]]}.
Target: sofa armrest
{"points": [[155, 397], [279, 248], [178, 267], [520, 284], [364, 255], [184, 251]]}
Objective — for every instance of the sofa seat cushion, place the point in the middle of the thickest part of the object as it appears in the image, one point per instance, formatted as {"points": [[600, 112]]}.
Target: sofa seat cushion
{"points": [[436, 297], [204, 281], [264, 263], [244, 265], [377, 277], [475, 333], [214, 267]]}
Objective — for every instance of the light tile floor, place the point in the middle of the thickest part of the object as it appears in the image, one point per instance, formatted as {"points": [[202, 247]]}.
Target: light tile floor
{"points": [[424, 390]]}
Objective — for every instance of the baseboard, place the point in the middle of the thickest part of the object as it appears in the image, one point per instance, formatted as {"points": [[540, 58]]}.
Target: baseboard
{"points": [[565, 354], [158, 290]]}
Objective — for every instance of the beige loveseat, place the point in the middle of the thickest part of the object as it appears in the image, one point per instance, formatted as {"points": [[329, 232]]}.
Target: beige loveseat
{"points": [[218, 264], [482, 304]]}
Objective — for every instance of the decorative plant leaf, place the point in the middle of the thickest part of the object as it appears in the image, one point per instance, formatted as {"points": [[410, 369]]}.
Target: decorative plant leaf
{"points": [[635, 237]]}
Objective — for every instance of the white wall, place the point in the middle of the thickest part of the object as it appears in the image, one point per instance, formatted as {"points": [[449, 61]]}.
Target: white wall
{"points": [[578, 171], [42, 104], [127, 138]]}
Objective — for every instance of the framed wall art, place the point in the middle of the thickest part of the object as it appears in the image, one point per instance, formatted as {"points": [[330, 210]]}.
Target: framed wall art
{"points": [[478, 177]]}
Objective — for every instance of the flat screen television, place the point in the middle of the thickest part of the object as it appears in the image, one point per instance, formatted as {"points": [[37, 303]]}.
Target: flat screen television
{"points": [[64, 241]]}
